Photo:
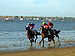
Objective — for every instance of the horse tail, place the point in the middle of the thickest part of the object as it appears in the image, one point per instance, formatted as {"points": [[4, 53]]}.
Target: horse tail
{"points": [[56, 32]]}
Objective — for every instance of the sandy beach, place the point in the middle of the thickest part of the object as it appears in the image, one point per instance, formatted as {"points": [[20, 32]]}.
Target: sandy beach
{"points": [[66, 51]]}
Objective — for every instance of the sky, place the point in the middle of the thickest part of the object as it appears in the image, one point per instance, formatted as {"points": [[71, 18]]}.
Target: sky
{"points": [[37, 8]]}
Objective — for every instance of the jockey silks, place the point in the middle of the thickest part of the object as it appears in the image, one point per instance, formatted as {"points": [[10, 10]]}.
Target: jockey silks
{"points": [[45, 26]]}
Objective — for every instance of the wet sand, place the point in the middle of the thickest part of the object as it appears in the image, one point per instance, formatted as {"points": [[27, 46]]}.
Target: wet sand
{"points": [[66, 51]]}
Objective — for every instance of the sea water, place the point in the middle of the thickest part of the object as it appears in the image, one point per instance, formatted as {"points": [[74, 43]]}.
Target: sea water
{"points": [[13, 34]]}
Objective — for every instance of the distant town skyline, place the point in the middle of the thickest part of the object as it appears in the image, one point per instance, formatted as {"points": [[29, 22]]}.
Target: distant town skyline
{"points": [[37, 8]]}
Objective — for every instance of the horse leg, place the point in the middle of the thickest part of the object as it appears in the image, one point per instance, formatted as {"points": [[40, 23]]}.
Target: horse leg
{"points": [[30, 41], [49, 40], [53, 41], [43, 43], [36, 38], [58, 38], [43, 36], [41, 40]]}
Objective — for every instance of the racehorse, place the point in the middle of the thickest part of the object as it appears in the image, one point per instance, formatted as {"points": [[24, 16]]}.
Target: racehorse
{"points": [[45, 34], [51, 34], [31, 35]]}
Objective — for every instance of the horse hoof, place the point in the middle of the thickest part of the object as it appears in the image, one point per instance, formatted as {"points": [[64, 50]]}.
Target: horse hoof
{"points": [[35, 41], [49, 44], [54, 45], [42, 46], [58, 41], [39, 42], [31, 45]]}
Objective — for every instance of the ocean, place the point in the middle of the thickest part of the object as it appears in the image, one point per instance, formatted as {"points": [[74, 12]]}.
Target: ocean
{"points": [[13, 34]]}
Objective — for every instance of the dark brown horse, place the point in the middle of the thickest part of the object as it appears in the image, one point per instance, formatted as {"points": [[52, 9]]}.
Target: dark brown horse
{"points": [[30, 35], [45, 34]]}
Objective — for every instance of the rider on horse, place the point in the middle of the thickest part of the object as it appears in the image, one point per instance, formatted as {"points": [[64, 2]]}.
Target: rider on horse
{"points": [[30, 26], [44, 26], [48, 27]]}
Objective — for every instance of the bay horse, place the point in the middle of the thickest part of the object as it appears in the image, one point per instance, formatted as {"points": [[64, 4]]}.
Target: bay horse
{"points": [[50, 36]]}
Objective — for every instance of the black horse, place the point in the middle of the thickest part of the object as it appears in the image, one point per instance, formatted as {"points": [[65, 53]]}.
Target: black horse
{"points": [[45, 34], [52, 34]]}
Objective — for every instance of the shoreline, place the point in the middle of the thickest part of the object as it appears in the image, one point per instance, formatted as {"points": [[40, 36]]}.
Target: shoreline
{"points": [[66, 51]]}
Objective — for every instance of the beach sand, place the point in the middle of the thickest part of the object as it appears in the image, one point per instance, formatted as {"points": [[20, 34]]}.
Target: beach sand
{"points": [[66, 51]]}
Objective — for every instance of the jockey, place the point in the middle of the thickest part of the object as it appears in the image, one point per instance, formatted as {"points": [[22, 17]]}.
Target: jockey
{"points": [[50, 25], [44, 25], [30, 26], [27, 26]]}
